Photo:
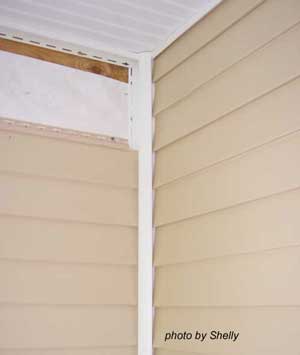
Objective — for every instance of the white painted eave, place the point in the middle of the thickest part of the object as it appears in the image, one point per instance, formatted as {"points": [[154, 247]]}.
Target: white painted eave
{"points": [[118, 27]]}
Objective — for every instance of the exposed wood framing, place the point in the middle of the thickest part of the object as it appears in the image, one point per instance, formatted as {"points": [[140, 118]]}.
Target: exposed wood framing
{"points": [[109, 70]]}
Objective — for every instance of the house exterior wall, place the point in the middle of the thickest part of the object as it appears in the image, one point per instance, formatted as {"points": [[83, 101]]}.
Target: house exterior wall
{"points": [[227, 181], [68, 246]]}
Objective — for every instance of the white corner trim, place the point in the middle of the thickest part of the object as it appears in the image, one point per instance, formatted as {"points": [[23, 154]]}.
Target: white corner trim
{"points": [[145, 200], [140, 139], [208, 6]]}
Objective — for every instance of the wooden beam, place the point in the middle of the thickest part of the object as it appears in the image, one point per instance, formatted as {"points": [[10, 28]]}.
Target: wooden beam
{"points": [[109, 70]]}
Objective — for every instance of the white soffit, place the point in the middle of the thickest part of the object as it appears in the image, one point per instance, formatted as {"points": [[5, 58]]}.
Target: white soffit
{"points": [[123, 27]]}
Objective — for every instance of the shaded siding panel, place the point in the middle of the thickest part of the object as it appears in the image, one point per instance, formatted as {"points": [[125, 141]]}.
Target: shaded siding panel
{"points": [[250, 322], [267, 69], [227, 182], [244, 280], [269, 20], [264, 224], [226, 14], [262, 172], [255, 124]]}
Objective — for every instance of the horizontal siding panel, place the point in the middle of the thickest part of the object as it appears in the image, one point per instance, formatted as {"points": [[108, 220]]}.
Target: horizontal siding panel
{"points": [[46, 283], [44, 240], [67, 326], [221, 18], [262, 329], [263, 224], [182, 352], [44, 156], [263, 71], [81, 202], [261, 121], [86, 351], [68, 246], [171, 352], [263, 279], [269, 20], [269, 170]]}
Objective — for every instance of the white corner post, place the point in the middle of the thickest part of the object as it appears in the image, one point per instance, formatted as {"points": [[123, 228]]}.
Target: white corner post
{"points": [[144, 131]]}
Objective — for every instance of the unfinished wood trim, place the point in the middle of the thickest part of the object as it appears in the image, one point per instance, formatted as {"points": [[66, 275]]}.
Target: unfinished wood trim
{"points": [[94, 66]]}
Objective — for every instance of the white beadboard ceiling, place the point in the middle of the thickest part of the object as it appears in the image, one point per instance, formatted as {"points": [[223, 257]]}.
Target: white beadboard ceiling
{"points": [[120, 26]]}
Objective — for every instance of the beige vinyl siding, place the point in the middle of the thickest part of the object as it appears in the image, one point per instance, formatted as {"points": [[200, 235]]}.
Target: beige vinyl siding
{"points": [[66, 241], [176, 352], [268, 223], [250, 126], [244, 280], [262, 172], [172, 352], [231, 46], [48, 283], [261, 329], [91, 351], [227, 183], [68, 246], [40, 326], [67, 200], [27, 159], [240, 84], [214, 24]]}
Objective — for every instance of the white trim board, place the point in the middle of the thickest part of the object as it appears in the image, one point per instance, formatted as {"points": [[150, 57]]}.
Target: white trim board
{"points": [[143, 113]]}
